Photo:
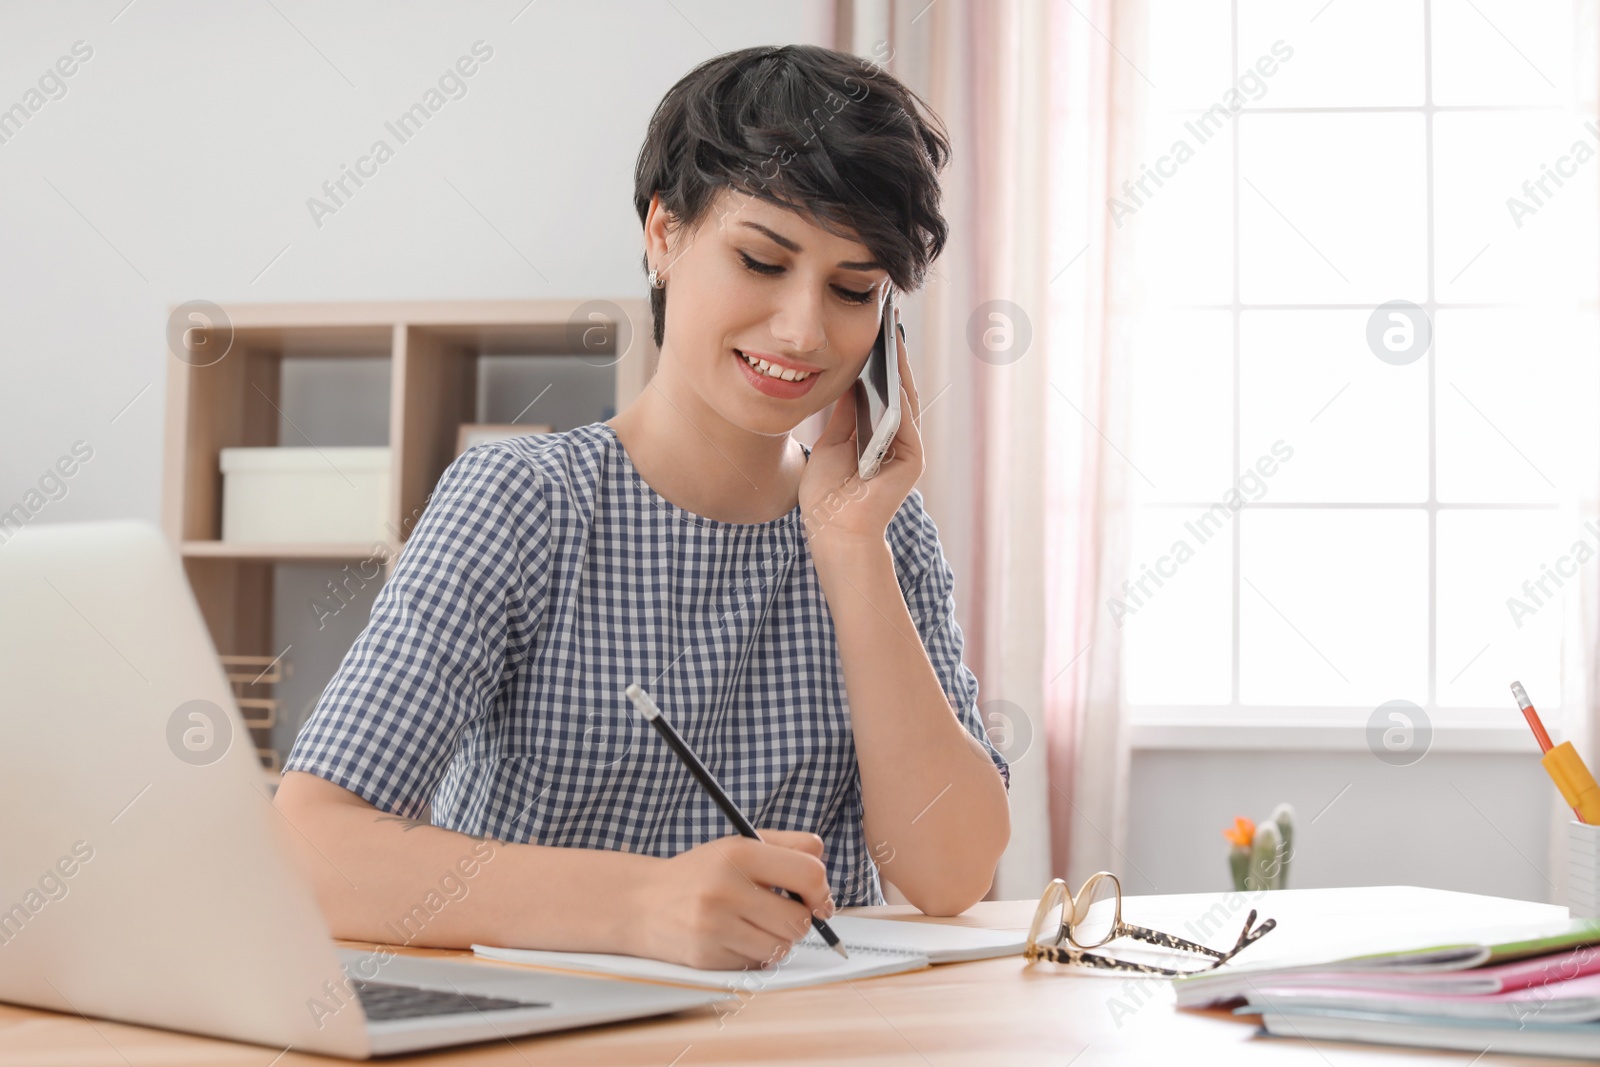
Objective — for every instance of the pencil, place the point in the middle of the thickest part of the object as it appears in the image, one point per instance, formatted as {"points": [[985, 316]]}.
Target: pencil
{"points": [[1561, 761], [1539, 733], [680, 748]]}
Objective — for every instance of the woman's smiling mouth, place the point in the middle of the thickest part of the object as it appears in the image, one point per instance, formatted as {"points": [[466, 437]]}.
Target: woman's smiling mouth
{"points": [[775, 379]]}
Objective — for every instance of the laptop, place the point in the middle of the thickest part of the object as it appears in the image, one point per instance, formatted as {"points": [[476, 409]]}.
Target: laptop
{"points": [[147, 876]]}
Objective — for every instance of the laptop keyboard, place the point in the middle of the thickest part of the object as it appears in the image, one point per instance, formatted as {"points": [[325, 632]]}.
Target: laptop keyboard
{"points": [[385, 1000]]}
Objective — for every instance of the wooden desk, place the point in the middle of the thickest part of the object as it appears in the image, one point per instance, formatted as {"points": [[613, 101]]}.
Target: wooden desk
{"points": [[988, 1012]]}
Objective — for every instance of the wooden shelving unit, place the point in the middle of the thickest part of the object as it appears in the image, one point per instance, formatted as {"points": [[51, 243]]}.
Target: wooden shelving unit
{"points": [[433, 349]]}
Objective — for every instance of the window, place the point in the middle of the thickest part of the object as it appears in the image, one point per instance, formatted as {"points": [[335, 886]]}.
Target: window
{"points": [[1364, 376]]}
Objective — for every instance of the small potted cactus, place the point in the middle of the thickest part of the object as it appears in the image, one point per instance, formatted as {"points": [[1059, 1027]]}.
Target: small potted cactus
{"points": [[1259, 858]]}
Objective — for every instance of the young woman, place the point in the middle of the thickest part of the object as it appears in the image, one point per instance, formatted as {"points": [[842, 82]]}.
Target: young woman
{"points": [[794, 622]]}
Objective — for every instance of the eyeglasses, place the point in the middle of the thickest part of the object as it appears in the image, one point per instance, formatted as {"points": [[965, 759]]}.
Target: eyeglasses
{"points": [[1081, 926]]}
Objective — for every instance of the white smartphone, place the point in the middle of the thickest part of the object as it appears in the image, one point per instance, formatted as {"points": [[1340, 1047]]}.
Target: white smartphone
{"points": [[878, 396]]}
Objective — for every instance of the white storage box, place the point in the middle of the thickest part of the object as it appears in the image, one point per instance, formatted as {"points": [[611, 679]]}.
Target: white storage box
{"points": [[1583, 870], [304, 494]]}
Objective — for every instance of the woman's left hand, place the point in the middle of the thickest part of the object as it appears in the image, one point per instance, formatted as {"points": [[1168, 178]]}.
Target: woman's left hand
{"points": [[839, 508]]}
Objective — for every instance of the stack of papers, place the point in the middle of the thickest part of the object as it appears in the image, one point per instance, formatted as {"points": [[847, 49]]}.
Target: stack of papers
{"points": [[1532, 989]]}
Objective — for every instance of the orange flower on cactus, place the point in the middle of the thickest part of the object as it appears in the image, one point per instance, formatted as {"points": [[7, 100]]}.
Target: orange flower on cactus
{"points": [[1242, 833]]}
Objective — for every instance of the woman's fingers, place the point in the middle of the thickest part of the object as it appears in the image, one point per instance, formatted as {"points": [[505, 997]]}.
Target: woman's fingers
{"points": [[907, 381], [842, 423], [755, 946], [801, 840]]}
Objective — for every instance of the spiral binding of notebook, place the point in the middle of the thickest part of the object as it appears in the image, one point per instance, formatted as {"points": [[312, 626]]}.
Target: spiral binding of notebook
{"points": [[811, 940]]}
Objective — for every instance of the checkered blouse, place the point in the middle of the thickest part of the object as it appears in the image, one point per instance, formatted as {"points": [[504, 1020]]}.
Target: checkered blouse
{"points": [[544, 576]]}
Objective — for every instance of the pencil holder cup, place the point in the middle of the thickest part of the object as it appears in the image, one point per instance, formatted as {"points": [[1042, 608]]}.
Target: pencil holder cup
{"points": [[1583, 870]]}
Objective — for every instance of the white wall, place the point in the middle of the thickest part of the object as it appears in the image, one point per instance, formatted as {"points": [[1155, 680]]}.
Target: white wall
{"points": [[1471, 821]]}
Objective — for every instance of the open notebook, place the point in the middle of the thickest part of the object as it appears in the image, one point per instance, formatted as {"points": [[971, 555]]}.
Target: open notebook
{"points": [[876, 946]]}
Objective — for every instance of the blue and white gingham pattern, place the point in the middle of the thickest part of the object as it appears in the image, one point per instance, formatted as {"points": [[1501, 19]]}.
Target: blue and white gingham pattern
{"points": [[544, 576]]}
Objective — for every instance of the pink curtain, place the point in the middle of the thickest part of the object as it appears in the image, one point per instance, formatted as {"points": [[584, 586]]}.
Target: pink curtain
{"points": [[1095, 99]]}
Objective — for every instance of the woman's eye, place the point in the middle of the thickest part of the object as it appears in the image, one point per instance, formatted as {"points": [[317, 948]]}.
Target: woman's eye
{"points": [[751, 263], [849, 296]]}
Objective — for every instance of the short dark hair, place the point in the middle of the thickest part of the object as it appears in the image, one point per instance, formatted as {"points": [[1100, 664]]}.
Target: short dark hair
{"points": [[831, 135]]}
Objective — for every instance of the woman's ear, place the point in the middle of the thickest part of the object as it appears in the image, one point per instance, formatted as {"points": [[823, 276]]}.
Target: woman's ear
{"points": [[657, 225]]}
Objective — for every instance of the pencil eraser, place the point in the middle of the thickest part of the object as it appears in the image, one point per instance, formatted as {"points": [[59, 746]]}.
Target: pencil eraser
{"points": [[641, 701]]}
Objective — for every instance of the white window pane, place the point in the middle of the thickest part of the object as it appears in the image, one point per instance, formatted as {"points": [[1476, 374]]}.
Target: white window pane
{"points": [[1177, 610], [1351, 53], [1182, 405], [1505, 231], [1500, 603], [1503, 51], [1332, 208], [1189, 44], [1515, 404], [1333, 607], [1358, 426], [1180, 213]]}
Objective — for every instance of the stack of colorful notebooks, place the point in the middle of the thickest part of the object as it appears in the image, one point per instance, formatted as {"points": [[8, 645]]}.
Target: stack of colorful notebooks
{"points": [[1529, 990]]}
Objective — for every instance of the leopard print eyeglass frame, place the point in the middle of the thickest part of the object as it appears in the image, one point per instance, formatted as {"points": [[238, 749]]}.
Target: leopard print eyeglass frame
{"points": [[1068, 943]]}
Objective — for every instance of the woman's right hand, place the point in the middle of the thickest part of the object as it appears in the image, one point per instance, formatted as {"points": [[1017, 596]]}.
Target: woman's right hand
{"points": [[713, 906]]}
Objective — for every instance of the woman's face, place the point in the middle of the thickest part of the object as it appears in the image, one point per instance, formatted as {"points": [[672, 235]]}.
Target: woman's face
{"points": [[757, 281]]}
